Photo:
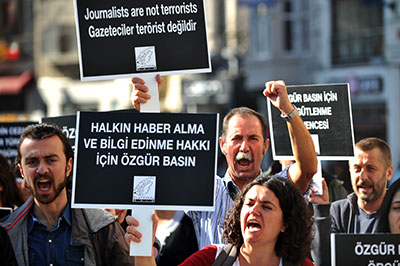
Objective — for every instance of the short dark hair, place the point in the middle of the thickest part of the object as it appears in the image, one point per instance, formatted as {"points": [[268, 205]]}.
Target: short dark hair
{"points": [[368, 144], [44, 131], [294, 243], [383, 221], [243, 111]]}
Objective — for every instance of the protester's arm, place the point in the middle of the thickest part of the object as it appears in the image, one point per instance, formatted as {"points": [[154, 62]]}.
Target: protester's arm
{"points": [[133, 235], [320, 248], [301, 172], [140, 92]]}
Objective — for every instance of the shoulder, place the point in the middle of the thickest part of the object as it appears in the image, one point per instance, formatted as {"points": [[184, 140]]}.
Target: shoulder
{"points": [[343, 204], [96, 219], [203, 257], [18, 216], [307, 262]]}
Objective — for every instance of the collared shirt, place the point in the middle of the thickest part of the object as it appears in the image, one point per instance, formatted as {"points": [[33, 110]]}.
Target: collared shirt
{"points": [[209, 225], [52, 247]]}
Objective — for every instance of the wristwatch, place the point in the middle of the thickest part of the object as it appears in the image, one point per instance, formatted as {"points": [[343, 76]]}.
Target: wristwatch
{"points": [[290, 115]]}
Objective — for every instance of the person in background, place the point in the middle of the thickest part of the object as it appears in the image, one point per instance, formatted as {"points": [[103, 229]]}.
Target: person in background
{"points": [[9, 193], [177, 237], [370, 170], [244, 142], [270, 224], [389, 213], [7, 256], [45, 230]]}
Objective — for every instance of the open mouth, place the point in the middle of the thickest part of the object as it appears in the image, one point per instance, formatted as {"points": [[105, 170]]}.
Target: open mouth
{"points": [[243, 162], [43, 184], [253, 225]]}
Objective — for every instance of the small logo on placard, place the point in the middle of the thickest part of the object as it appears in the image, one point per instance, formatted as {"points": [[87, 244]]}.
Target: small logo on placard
{"points": [[145, 58], [144, 189]]}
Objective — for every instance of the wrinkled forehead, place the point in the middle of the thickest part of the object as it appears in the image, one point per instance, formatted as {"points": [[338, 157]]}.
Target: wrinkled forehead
{"points": [[248, 124], [372, 156]]}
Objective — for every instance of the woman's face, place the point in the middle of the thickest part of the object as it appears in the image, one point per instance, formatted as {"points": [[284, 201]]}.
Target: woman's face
{"points": [[394, 213], [261, 217]]}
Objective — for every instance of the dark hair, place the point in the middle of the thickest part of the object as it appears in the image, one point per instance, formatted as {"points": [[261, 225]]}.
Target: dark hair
{"points": [[243, 111], [44, 131], [383, 221], [293, 244], [368, 144], [10, 196]]}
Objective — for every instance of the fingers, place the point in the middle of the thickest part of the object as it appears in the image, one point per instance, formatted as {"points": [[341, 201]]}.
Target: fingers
{"points": [[272, 88], [159, 80], [131, 233]]}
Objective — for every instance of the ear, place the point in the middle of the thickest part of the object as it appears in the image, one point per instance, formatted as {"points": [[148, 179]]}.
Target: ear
{"points": [[69, 167], [222, 145], [21, 171], [283, 228], [266, 145], [389, 173], [1, 188]]}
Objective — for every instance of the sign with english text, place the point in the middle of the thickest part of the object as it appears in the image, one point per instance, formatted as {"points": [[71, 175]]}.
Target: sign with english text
{"points": [[326, 113], [141, 160], [122, 38]]}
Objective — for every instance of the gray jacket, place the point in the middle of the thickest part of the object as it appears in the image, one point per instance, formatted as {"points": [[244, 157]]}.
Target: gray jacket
{"points": [[97, 230]]}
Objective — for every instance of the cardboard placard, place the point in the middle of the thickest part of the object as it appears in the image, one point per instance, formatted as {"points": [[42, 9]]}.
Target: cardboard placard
{"points": [[9, 138], [120, 38], [365, 249], [326, 112], [146, 160]]}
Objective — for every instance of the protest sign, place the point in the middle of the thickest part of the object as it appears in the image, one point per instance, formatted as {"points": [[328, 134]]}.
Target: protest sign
{"points": [[326, 113], [365, 249], [120, 38], [162, 161], [67, 124], [9, 138]]}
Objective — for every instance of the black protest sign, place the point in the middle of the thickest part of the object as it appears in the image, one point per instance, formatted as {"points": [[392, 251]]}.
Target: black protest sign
{"points": [[365, 249], [326, 113], [9, 138], [119, 38], [67, 124], [166, 161]]}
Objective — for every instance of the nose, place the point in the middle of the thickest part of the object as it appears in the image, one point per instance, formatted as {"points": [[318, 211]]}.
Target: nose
{"points": [[42, 168], [363, 174], [254, 209], [244, 147]]}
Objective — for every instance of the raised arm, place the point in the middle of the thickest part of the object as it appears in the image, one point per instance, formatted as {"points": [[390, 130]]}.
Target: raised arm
{"points": [[301, 172]]}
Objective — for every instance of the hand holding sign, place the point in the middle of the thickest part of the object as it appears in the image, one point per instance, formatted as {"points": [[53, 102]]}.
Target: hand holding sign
{"points": [[132, 234], [142, 93]]}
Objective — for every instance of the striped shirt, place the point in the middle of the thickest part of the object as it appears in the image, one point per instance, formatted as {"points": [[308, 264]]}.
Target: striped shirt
{"points": [[209, 225]]}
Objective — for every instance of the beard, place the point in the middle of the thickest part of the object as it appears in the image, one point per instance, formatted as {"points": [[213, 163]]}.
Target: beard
{"points": [[49, 198], [376, 193]]}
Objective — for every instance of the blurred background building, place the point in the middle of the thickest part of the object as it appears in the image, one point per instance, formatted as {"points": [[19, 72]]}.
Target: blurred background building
{"points": [[251, 41]]}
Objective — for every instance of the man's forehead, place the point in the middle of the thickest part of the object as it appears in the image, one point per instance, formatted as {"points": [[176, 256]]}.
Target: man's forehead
{"points": [[240, 122], [373, 155], [42, 147]]}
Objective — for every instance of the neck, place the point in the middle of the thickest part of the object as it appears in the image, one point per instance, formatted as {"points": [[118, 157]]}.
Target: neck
{"points": [[262, 255], [370, 206], [48, 214], [241, 182], [165, 215]]}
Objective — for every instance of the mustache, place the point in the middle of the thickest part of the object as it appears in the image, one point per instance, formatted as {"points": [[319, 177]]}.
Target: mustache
{"points": [[244, 156], [364, 184], [46, 175]]}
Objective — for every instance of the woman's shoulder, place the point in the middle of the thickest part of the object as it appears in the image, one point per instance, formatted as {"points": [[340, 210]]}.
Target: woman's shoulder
{"points": [[203, 257]]}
